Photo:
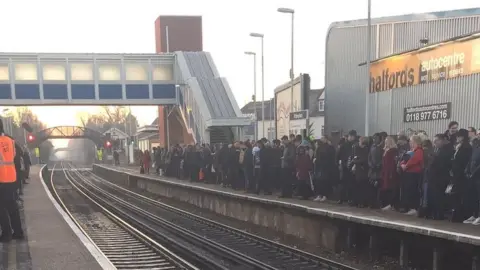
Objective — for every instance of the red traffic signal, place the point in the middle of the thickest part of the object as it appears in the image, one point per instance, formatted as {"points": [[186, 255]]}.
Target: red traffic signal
{"points": [[108, 144], [30, 138]]}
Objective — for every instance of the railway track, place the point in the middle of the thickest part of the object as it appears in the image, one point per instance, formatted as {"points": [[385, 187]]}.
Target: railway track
{"points": [[247, 249], [123, 245]]}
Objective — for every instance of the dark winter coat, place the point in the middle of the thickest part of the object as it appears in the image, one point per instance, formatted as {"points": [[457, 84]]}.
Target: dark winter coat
{"points": [[389, 176]]}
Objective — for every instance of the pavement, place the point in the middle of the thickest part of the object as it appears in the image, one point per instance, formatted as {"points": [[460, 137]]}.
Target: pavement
{"points": [[50, 242]]}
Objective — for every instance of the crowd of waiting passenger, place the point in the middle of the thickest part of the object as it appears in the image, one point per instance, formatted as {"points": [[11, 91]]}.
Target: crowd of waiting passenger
{"points": [[437, 178]]}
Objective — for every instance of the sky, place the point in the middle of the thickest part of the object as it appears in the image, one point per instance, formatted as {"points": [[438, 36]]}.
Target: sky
{"points": [[120, 26]]}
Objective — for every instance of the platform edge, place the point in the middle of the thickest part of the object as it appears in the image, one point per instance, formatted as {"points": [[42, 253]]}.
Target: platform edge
{"points": [[319, 211], [98, 255]]}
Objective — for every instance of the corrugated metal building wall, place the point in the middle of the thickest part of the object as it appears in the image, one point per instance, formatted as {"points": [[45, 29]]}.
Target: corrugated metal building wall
{"points": [[346, 49]]}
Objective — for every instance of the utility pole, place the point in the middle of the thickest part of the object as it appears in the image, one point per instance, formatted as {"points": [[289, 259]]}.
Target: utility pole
{"points": [[369, 46]]}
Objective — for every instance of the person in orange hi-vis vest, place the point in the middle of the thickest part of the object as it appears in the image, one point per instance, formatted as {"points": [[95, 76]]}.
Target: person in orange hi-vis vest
{"points": [[9, 213]]}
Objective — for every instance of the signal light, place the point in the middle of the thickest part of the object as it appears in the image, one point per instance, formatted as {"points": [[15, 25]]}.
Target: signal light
{"points": [[30, 138], [108, 144]]}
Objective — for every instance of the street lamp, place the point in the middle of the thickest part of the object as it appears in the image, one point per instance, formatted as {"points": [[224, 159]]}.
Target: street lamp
{"points": [[258, 35], [369, 45], [292, 74], [254, 92]]}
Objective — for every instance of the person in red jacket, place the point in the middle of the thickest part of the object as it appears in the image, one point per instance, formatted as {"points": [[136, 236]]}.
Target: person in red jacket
{"points": [[413, 173]]}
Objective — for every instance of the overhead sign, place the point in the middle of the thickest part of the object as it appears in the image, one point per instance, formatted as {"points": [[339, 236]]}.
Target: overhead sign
{"points": [[427, 113], [298, 120], [442, 62]]}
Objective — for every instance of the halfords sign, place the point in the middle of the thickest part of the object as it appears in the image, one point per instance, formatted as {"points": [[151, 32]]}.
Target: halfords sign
{"points": [[442, 62]]}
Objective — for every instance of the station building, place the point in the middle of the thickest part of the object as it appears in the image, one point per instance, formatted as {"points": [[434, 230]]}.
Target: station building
{"points": [[425, 72]]}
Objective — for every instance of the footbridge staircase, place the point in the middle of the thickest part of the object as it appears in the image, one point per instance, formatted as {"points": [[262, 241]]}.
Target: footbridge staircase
{"points": [[206, 107]]}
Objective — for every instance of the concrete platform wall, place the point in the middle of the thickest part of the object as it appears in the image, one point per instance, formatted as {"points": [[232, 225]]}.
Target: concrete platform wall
{"points": [[320, 231], [329, 227]]}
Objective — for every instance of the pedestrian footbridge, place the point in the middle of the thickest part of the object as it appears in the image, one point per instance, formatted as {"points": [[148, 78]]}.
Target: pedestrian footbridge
{"points": [[186, 86], [65, 132]]}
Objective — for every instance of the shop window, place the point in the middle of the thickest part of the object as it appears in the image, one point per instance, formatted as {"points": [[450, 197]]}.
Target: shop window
{"points": [[271, 134]]}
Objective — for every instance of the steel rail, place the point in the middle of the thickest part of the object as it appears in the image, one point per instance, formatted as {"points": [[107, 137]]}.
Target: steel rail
{"points": [[143, 252]]}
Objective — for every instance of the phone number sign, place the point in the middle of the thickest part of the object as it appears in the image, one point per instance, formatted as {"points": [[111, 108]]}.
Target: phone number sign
{"points": [[432, 112]]}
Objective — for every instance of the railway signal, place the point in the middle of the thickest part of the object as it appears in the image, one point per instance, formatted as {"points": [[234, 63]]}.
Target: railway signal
{"points": [[108, 144], [30, 138]]}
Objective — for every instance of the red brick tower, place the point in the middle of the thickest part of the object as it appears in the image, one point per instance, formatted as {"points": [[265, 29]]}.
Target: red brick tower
{"points": [[176, 33]]}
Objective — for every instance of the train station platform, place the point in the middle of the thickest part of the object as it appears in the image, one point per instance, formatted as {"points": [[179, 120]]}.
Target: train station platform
{"points": [[325, 224], [52, 241]]}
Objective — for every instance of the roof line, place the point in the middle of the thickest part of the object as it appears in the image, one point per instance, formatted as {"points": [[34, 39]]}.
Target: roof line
{"points": [[288, 84], [409, 17], [81, 53], [470, 36]]}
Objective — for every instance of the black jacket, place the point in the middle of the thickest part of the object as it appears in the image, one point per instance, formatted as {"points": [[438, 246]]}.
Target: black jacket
{"points": [[451, 138], [233, 157], [438, 171], [345, 153], [277, 154], [288, 157], [473, 169], [325, 161], [460, 160], [19, 163]]}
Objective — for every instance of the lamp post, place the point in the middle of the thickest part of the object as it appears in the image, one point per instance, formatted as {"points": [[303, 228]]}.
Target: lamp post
{"points": [[258, 35], [254, 92], [369, 45], [292, 74]]}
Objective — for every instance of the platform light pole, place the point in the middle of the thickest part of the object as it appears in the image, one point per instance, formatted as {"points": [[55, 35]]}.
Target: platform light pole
{"points": [[254, 92], [258, 35], [167, 39], [292, 74], [369, 45]]}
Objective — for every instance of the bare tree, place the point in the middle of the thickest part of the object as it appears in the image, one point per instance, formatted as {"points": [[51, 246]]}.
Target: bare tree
{"points": [[109, 117], [114, 114]]}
